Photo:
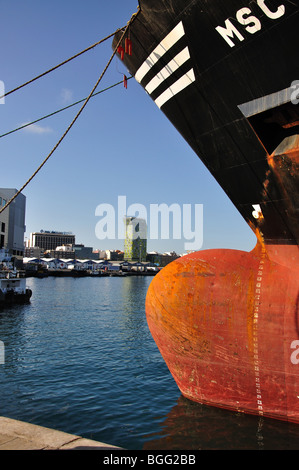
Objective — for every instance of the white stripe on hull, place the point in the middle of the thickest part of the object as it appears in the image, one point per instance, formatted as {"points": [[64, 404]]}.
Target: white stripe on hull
{"points": [[180, 59]]}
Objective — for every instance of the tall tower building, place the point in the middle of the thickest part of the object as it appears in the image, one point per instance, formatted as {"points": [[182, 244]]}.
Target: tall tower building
{"points": [[12, 222], [135, 239]]}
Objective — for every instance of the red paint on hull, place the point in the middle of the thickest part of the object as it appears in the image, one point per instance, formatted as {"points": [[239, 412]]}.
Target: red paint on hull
{"points": [[226, 324]]}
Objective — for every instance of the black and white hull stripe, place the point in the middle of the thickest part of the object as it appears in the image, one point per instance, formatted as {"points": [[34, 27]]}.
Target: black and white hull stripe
{"points": [[166, 71]]}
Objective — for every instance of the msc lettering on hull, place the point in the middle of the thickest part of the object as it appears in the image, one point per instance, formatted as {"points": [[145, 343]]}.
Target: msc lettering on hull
{"points": [[250, 22]]}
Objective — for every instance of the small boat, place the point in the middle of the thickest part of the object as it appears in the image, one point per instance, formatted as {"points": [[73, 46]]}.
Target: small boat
{"points": [[13, 288]]}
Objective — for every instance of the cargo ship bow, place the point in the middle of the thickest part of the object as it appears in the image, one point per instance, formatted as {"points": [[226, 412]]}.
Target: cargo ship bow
{"points": [[226, 76]]}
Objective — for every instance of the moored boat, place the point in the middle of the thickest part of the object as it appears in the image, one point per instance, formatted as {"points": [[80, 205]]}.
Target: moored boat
{"points": [[225, 75], [13, 289]]}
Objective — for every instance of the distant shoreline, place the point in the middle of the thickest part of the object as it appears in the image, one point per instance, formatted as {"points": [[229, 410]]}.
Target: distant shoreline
{"points": [[80, 274]]}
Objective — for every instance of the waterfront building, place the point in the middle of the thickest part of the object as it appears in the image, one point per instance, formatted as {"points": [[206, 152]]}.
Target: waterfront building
{"points": [[82, 252], [161, 259], [65, 248], [58, 254], [99, 254], [71, 251], [135, 239], [12, 222], [114, 255], [47, 240], [154, 257], [32, 252], [168, 257]]}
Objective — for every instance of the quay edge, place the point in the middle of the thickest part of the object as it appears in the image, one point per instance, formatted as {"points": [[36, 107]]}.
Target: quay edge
{"points": [[19, 435]]}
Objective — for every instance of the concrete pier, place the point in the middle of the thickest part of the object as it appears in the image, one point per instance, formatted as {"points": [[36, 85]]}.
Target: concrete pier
{"points": [[17, 435]]}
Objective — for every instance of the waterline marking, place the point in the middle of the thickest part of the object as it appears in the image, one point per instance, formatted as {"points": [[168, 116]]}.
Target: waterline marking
{"points": [[257, 303], [156, 223]]}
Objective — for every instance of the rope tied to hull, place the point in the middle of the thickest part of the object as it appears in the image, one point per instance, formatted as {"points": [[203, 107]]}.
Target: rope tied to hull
{"points": [[27, 124], [74, 120], [61, 64]]}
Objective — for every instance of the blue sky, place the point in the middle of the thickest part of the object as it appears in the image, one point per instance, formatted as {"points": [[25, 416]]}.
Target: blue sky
{"points": [[122, 144]]}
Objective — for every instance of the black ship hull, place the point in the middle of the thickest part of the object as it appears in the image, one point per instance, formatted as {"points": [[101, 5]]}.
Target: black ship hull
{"points": [[236, 105], [226, 75]]}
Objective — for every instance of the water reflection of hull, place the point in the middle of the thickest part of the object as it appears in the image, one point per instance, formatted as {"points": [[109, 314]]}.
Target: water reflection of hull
{"points": [[192, 426]]}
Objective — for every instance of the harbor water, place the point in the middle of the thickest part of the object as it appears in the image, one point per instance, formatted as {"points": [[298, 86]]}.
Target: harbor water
{"points": [[80, 359]]}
